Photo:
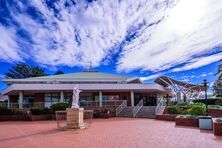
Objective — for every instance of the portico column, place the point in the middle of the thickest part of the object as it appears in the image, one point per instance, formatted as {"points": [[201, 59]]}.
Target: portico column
{"points": [[100, 99], [132, 98], [62, 96], [8, 105], [20, 101]]}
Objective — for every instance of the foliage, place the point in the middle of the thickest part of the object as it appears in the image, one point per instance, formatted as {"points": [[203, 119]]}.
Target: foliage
{"points": [[103, 113], [217, 86], [196, 109], [183, 104], [6, 111], [173, 110], [40, 111], [60, 106], [59, 72], [214, 106], [25, 71], [219, 120]]}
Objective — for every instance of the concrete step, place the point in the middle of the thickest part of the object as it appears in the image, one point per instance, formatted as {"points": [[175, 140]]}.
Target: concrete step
{"points": [[146, 112], [126, 112]]}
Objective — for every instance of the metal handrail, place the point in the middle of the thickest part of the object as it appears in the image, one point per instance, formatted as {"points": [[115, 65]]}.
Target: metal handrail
{"points": [[137, 108], [121, 107], [159, 106]]}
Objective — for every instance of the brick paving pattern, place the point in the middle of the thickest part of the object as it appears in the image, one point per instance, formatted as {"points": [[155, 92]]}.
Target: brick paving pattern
{"points": [[106, 133]]}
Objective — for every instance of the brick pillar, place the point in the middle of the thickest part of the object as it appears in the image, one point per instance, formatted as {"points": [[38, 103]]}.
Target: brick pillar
{"points": [[75, 118]]}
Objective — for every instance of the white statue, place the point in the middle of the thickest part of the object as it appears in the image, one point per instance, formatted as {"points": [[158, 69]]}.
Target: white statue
{"points": [[75, 97]]}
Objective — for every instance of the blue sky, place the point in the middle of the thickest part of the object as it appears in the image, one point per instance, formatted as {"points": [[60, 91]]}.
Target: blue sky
{"points": [[145, 38]]}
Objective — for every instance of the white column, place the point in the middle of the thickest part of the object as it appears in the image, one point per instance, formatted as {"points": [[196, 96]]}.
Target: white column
{"points": [[132, 98], [62, 96], [20, 101], [100, 99], [8, 102]]}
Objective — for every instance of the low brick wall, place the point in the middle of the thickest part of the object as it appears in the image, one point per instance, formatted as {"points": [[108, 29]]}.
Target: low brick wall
{"points": [[194, 122], [14, 118], [40, 117], [214, 112], [166, 117], [217, 128]]}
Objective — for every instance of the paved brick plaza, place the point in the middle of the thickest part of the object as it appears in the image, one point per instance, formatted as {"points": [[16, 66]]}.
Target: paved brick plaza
{"points": [[106, 133]]}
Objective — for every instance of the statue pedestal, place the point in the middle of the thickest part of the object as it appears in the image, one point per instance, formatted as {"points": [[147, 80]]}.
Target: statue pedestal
{"points": [[75, 118]]}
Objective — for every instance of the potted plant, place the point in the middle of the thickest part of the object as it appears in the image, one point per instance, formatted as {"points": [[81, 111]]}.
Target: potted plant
{"points": [[217, 126]]}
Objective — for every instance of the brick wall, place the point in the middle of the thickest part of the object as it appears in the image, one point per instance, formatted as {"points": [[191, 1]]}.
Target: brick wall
{"points": [[166, 117], [215, 112]]}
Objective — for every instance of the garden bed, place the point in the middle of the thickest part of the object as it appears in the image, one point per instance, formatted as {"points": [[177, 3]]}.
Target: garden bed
{"points": [[166, 117], [215, 112], [217, 127], [14, 118], [40, 117], [187, 120]]}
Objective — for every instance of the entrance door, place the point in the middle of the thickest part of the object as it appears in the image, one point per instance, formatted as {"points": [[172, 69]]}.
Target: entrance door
{"points": [[148, 99]]}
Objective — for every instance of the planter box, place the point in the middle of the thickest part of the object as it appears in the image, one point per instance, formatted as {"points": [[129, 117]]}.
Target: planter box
{"points": [[187, 121], [40, 117], [215, 112], [166, 117], [205, 122], [217, 128], [14, 118]]}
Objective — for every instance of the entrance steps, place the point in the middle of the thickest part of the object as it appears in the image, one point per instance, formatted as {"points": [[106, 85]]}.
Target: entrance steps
{"points": [[126, 112], [146, 112]]}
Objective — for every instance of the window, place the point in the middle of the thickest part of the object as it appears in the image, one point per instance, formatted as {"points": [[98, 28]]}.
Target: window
{"points": [[51, 98]]}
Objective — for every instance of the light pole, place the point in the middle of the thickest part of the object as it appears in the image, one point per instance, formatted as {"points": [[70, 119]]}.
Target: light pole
{"points": [[205, 89]]}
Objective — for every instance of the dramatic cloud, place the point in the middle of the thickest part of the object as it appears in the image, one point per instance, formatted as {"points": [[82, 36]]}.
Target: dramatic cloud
{"points": [[150, 77], [191, 29], [152, 35]]}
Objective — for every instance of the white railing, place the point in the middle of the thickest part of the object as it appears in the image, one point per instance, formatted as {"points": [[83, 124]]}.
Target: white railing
{"points": [[137, 108], [160, 106], [121, 107]]}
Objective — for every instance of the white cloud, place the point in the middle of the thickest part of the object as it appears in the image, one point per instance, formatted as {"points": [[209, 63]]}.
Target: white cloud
{"points": [[9, 50], [176, 41], [151, 77], [167, 33], [199, 62]]}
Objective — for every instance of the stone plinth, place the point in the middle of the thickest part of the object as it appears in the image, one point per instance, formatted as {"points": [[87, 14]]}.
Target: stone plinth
{"points": [[75, 118]]}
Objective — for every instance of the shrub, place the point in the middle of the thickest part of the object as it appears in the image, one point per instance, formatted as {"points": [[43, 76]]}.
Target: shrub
{"points": [[173, 110], [60, 106], [40, 111], [197, 109], [183, 104], [6, 111], [214, 106]]}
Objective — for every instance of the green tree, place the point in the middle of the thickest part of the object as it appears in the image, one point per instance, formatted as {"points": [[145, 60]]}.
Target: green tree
{"points": [[23, 70], [59, 72], [217, 87]]}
